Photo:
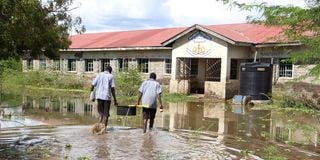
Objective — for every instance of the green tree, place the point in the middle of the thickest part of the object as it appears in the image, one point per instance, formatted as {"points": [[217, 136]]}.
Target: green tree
{"points": [[301, 24], [36, 27]]}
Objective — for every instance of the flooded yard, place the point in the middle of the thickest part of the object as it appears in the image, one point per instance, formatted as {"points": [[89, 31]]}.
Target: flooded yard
{"points": [[59, 128]]}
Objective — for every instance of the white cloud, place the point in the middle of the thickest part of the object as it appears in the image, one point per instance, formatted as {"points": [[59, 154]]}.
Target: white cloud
{"points": [[110, 15], [204, 12]]}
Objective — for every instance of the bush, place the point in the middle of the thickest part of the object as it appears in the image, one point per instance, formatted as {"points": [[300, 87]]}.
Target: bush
{"points": [[127, 83], [300, 100], [42, 79]]}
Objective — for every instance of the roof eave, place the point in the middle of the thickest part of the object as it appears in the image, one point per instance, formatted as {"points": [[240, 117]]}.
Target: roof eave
{"points": [[116, 49], [188, 30], [277, 44]]}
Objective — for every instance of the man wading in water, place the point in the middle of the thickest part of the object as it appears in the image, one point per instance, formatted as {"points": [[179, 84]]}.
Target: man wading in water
{"points": [[150, 90], [104, 83]]}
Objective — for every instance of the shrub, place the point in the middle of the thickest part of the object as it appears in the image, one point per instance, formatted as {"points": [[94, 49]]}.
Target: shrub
{"points": [[127, 83]]}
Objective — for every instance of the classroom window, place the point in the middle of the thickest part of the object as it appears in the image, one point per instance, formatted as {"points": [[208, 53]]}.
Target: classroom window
{"points": [[143, 65], [194, 66], [29, 64], [285, 69], [104, 64], [233, 69], [88, 107], [42, 64], [72, 65], [168, 66], [89, 65], [123, 64], [56, 65], [71, 107]]}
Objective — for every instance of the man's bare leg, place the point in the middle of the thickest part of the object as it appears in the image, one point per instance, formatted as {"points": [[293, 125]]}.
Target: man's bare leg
{"points": [[151, 124], [101, 118], [145, 122], [106, 121]]}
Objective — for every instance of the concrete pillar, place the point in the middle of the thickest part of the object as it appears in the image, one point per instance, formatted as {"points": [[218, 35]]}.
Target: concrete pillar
{"points": [[36, 64], [81, 66], [114, 64], [64, 65], [24, 65], [224, 69], [96, 65]]}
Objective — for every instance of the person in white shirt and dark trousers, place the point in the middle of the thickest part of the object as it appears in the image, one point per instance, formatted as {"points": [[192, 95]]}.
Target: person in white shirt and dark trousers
{"points": [[150, 91], [105, 86]]}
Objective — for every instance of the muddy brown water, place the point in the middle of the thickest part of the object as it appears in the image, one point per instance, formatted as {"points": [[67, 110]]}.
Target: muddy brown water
{"points": [[59, 128]]}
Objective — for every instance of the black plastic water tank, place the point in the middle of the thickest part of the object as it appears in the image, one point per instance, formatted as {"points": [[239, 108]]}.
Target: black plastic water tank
{"points": [[256, 80]]}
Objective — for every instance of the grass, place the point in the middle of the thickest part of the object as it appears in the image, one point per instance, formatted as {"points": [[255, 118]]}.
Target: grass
{"points": [[12, 85], [175, 97], [286, 100]]}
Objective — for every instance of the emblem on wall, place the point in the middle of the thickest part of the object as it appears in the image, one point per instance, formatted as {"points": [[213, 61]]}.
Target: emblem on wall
{"points": [[199, 44]]}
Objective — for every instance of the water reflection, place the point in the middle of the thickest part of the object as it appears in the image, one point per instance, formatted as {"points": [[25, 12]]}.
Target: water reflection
{"points": [[216, 117], [237, 127]]}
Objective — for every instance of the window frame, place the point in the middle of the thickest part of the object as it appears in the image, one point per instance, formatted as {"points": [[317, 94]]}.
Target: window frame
{"points": [[167, 66], [88, 65], [145, 62], [285, 69], [123, 64], [105, 63], [30, 64], [70, 66]]}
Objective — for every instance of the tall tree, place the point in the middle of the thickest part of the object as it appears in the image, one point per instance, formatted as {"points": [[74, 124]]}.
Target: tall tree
{"points": [[36, 27], [300, 23]]}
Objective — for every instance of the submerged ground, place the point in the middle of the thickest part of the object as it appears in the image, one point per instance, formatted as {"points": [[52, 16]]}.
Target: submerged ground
{"points": [[54, 127]]}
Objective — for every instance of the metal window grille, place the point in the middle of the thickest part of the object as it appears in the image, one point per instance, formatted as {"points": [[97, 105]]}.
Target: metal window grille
{"points": [[143, 65], [89, 65], [168, 64], [213, 69], [285, 69], [183, 68], [88, 107], [72, 65], [29, 63], [105, 63], [123, 64], [71, 107]]}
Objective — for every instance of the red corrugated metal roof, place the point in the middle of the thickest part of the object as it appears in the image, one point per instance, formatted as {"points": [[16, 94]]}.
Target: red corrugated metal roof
{"points": [[138, 38], [247, 33]]}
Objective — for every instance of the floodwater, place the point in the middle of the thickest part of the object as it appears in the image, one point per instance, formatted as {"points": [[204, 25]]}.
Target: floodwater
{"points": [[59, 128]]}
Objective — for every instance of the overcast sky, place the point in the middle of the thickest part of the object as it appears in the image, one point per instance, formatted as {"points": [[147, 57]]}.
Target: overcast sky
{"points": [[114, 15]]}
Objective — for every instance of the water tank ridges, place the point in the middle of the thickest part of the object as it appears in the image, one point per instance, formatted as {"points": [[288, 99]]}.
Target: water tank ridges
{"points": [[256, 80]]}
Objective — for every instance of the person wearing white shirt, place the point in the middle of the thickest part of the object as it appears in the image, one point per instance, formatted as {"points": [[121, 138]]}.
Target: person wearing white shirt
{"points": [[150, 91], [105, 86]]}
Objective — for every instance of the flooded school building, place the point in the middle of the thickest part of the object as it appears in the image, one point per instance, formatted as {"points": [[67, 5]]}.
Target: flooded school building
{"points": [[198, 59]]}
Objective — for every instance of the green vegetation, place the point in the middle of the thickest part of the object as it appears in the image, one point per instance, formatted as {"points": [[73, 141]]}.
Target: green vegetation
{"points": [[41, 83], [302, 25], [68, 146], [37, 152], [36, 27], [128, 83], [175, 97], [290, 100], [272, 153]]}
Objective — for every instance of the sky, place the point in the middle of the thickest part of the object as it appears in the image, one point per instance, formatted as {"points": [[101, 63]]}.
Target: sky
{"points": [[120, 15]]}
